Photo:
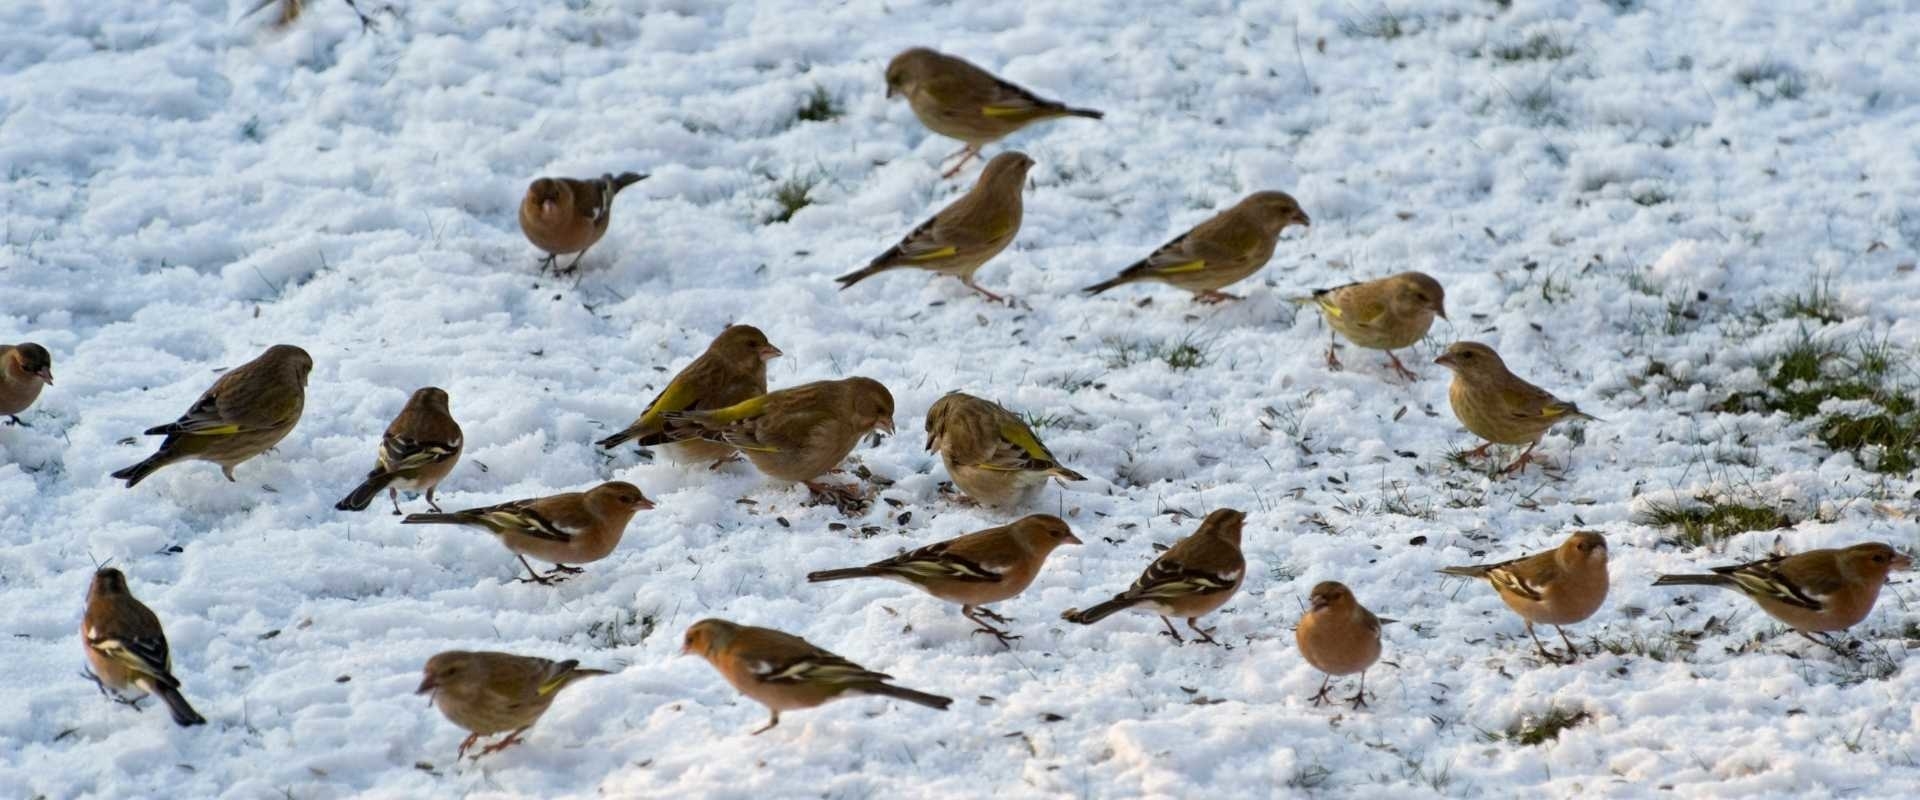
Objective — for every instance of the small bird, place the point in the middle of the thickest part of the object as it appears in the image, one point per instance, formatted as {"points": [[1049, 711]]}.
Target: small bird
{"points": [[733, 369], [575, 527], [127, 649], [565, 215], [966, 234], [958, 100], [794, 434], [787, 673], [246, 412], [1191, 579], [1385, 314], [1338, 636], [419, 449], [991, 453], [973, 570], [24, 368], [1818, 591], [1217, 253], [1496, 405], [1557, 587], [487, 693]]}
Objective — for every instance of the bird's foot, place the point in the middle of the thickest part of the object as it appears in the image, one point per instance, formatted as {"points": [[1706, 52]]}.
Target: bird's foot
{"points": [[1479, 452], [1005, 638], [990, 615], [511, 740], [14, 419], [1359, 699], [1333, 360], [1214, 297], [1393, 362], [464, 745]]}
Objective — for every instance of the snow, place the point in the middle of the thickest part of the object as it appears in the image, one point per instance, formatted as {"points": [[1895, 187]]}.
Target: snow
{"points": [[183, 189]]}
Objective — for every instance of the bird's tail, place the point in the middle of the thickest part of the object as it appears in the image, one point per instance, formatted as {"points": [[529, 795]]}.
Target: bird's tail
{"points": [[617, 439], [1692, 580], [1565, 408], [842, 574], [456, 518], [1099, 612], [139, 472], [1084, 112], [902, 693], [1108, 284], [848, 280], [360, 498], [183, 713], [1065, 474], [1476, 571], [623, 180]]}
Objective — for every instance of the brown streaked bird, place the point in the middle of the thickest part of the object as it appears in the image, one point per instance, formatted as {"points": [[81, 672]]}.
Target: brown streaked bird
{"points": [[795, 434], [992, 454], [126, 647], [1219, 252], [1556, 587], [1338, 636], [733, 369], [418, 450], [974, 570], [1193, 578], [246, 412], [488, 693], [1386, 314], [1496, 405], [566, 215], [958, 100], [24, 369], [561, 529], [787, 673], [1815, 592], [966, 234]]}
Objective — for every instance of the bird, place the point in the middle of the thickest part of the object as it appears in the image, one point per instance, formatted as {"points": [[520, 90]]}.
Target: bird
{"points": [[24, 369], [794, 434], [487, 693], [567, 215], [1815, 592], [1338, 636], [246, 412], [973, 570], [1386, 314], [1496, 405], [958, 100], [966, 234], [418, 450], [1219, 252], [991, 453], [575, 527], [1191, 579], [733, 369], [1556, 587], [787, 673], [126, 647]]}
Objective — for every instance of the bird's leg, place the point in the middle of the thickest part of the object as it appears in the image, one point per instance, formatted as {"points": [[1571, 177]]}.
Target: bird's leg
{"points": [[562, 569], [771, 721], [1479, 452], [1171, 631], [14, 419], [1213, 296], [1326, 688], [1360, 697], [977, 614], [366, 22], [512, 739], [533, 576], [430, 504], [1333, 359], [394, 495], [718, 463], [573, 265], [1398, 367], [1544, 653], [1573, 653], [464, 744], [551, 262], [989, 614], [1827, 642], [97, 683], [966, 154], [1206, 634], [991, 297], [1519, 465]]}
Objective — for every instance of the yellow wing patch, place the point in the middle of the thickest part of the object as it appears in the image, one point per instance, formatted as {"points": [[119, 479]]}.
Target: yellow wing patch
{"points": [[218, 430], [1191, 266], [943, 252], [1005, 111]]}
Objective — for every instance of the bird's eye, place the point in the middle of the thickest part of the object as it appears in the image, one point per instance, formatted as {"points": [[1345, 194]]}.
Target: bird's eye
{"points": [[1879, 559]]}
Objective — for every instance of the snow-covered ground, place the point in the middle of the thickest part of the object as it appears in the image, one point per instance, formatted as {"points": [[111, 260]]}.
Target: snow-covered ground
{"points": [[1613, 193]]}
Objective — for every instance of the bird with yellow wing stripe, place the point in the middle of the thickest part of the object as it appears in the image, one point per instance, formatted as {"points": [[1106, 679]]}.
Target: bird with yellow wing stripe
{"points": [[733, 369], [488, 693], [956, 99], [966, 234], [973, 570], [245, 413], [793, 434], [1496, 405], [991, 453], [1385, 314], [1217, 253]]}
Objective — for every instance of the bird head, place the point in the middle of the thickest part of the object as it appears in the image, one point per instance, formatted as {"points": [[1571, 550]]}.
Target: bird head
{"points": [[1275, 210], [445, 668], [1009, 168], [1418, 291], [1043, 532], [872, 404], [706, 636], [292, 359], [908, 69], [429, 396], [1472, 360], [744, 345], [108, 581], [1224, 523], [550, 197], [1584, 547], [1872, 561], [617, 497], [31, 360], [1328, 594]]}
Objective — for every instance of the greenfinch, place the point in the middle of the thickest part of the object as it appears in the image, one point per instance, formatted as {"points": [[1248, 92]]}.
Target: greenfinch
{"points": [[958, 100], [1193, 578], [126, 649], [1217, 253], [974, 570], [488, 693], [1386, 314], [1818, 591], [795, 434], [787, 673], [733, 369], [991, 453], [246, 412], [575, 527], [966, 234], [1338, 636], [418, 450], [24, 369], [566, 215], [1496, 405], [1556, 587]]}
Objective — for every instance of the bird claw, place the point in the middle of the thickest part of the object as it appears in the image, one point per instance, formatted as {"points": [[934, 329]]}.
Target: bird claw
{"points": [[1006, 639], [1359, 699], [511, 740], [1214, 297], [1333, 361], [14, 419], [1394, 364], [989, 614]]}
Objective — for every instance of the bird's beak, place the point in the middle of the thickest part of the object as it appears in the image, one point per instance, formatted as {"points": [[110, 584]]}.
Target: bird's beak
{"points": [[1440, 309], [644, 504], [427, 684], [1303, 219], [1902, 562], [886, 425], [1072, 539], [769, 353], [46, 375], [890, 91], [1445, 361]]}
